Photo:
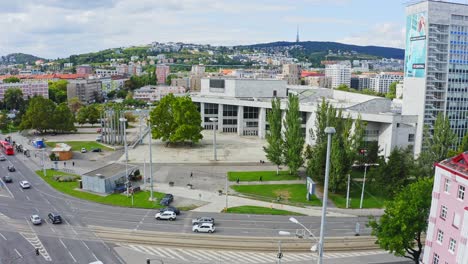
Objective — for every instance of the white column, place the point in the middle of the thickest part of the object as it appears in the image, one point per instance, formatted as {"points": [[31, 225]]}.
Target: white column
{"points": [[261, 123], [220, 118], [309, 125], [202, 114], [240, 120]]}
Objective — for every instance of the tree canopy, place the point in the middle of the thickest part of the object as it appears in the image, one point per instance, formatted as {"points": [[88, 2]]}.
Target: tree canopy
{"points": [[58, 91], [11, 80], [401, 229], [274, 136], [293, 139], [14, 99], [176, 119], [391, 94]]}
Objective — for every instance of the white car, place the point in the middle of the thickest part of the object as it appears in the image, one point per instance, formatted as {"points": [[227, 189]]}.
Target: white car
{"points": [[25, 184], [166, 215], [84, 150], [35, 219], [204, 228], [2, 158]]}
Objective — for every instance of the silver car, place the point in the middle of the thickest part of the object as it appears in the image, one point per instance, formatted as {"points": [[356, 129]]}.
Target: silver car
{"points": [[36, 220], [201, 220]]}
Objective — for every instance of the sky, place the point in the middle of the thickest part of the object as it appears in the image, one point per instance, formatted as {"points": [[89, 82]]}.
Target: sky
{"points": [[60, 28]]}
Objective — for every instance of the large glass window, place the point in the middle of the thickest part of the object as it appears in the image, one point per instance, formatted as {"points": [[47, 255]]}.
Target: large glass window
{"points": [[211, 109], [250, 112], [229, 110]]}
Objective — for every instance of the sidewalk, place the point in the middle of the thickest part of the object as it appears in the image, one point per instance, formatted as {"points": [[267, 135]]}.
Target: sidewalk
{"points": [[216, 202]]}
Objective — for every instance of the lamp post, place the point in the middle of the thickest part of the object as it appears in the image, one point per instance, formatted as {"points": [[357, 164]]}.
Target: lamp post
{"points": [[122, 121], [364, 182], [139, 126], [151, 161], [214, 120], [329, 131]]}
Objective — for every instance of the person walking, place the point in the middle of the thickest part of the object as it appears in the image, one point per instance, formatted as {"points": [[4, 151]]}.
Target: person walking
{"points": [[191, 174], [64, 163], [73, 164]]}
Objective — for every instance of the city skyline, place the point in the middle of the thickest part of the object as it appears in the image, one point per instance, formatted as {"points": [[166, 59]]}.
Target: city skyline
{"points": [[54, 29]]}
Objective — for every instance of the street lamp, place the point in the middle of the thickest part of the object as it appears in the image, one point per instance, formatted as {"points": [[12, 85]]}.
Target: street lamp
{"points": [[364, 182], [329, 131], [140, 139], [151, 160], [122, 121], [295, 221], [214, 120]]}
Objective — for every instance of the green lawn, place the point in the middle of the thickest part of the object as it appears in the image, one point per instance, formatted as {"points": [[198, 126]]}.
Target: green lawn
{"points": [[294, 194], [140, 198], [247, 209], [370, 200], [266, 176], [77, 145]]}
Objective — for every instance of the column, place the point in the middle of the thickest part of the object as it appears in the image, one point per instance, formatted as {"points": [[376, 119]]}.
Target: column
{"points": [[202, 114], [309, 125], [240, 120], [220, 118], [261, 122]]}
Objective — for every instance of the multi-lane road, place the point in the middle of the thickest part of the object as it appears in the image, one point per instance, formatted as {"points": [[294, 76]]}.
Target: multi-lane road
{"points": [[75, 242]]}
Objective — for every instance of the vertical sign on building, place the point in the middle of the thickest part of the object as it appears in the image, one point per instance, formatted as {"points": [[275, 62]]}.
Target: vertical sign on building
{"points": [[416, 42]]}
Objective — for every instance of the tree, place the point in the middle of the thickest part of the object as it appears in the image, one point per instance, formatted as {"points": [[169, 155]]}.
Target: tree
{"points": [[3, 121], [38, 114], [11, 80], [82, 115], [391, 91], [75, 104], [13, 99], [293, 139], [169, 78], [93, 114], [464, 144], [343, 87], [63, 119], [401, 228], [58, 91], [274, 136]]}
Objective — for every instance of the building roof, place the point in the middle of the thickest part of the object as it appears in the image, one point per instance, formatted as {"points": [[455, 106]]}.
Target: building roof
{"points": [[60, 147], [311, 74], [457, 164], [64, 76], [110, 170]]}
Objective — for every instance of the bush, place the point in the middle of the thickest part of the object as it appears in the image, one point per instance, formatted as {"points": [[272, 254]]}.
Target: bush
{"points": [[65, 178]]}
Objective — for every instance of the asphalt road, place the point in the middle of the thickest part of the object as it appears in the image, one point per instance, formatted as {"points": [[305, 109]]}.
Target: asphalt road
{"points": [[73, 242]]}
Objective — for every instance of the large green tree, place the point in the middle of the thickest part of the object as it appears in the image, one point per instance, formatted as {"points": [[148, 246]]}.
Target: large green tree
{"points": [[11, 80], [293, 139], [391, 94], [39, 115], [93, 114], [14, 99], [274, 137], [63, 119], [176, 119], [82, 115], [402, 228], [58, 91]]}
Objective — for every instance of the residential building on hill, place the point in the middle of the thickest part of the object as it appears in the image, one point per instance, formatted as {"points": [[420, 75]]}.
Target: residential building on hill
{"points": [[84, 69], [381, 82], [162, 71], [151, 93], [29, 89], [339, 74], [447, 232], [291, 74], [87, 91]]}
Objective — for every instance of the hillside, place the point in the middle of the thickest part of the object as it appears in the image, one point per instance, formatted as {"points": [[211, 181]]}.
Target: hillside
{"points": [[321, 47], [19, 58]]}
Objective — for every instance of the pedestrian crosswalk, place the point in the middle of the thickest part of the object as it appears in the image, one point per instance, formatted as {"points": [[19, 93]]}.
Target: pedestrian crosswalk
{"points": [[36, 243], [234, 257]]}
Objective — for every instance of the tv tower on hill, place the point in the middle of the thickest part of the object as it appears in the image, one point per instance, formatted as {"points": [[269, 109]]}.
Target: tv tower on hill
{"points": [[297, 35]]}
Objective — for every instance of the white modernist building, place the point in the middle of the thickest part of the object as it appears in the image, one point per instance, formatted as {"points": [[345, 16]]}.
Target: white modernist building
{"points": [[241, 105], [380, 83], [339, 74], [436, 66]]}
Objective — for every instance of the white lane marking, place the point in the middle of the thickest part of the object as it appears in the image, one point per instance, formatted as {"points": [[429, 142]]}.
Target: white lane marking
{"points": [[174, 253], [74, 260], [34, 240], [21, 189], [27, 197], [18, 253], [63, 244], [4, 185], [3, 236], [85, 244]]}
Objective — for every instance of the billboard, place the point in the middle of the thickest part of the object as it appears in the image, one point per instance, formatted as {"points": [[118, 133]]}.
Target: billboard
{"points": [[416, 44]]}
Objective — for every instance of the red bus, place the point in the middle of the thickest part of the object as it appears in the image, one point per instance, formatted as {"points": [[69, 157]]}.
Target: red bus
{"points": [[6, 147]]}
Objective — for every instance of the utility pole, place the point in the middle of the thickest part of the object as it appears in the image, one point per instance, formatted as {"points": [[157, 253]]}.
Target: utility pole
{"points": [[347, 192], [151, 161]]}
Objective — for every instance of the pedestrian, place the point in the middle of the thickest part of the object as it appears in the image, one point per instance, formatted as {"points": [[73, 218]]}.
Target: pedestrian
{"points": [[73, 163], [191, 174], [260, 178], [237, 181], [64, 164]]}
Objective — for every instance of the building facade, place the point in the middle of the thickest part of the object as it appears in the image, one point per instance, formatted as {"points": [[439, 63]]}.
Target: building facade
{"points": [[87, 91], [339, 74], [291, 74], [162, 71], [84, 69], [29, 89], [151, 93], [380, 83], [436, 65], [447, 232]]}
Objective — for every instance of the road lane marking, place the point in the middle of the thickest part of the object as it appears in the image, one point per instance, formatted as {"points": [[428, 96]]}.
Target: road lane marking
{"points": [[85, 244], [74, 260], [3, 236], [18, 253], [61, 241], [27, 197]]}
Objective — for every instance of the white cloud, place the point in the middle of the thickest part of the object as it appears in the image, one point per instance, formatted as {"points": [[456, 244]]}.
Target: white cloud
{"points": [[385, 34]]}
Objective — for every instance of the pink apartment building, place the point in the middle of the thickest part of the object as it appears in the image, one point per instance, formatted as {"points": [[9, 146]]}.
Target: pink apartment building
{"points": [[29, 89], [162, 71], [84, 69], [447, 233]]}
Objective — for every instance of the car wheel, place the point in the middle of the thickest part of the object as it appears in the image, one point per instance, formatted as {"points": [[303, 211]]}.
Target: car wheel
{"points": [[157, 218], [210, 231], [196, 230], [171, 219]]}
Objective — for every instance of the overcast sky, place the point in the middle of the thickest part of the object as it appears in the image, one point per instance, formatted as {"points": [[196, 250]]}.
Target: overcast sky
{"points": [[59, 28]]}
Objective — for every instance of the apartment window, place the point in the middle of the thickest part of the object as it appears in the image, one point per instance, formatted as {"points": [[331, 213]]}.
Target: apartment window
{"points": [[435, 260], [447, 186], [443, 212], [440, 236], [411, 138], [452, 245], [456, 220], [461, 192]]}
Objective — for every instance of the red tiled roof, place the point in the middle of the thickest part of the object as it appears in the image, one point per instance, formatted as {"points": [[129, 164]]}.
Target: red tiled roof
{"points": [[313, 74], [65, 76], [457, 164]]}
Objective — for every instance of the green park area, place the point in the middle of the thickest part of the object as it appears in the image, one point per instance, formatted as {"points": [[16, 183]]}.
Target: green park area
{"points": [[249, 176], [371, 200], [247, 209], [77, 145], [71, 188], [293, 194]]}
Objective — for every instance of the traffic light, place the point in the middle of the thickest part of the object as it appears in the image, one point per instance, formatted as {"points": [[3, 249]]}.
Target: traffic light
{"points": [[37, 252], [148, 261]]}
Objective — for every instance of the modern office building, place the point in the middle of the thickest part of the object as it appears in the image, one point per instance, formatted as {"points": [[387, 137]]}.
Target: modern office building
{"points": [[447, 233], [162, 71], [241, 106], [360, 82], [381, 82], [436, 65], [339, 74], [29, 89]]}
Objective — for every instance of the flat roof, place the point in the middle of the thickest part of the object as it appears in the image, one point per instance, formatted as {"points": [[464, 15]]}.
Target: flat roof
{"points": [[109, 170], [415, 2]]}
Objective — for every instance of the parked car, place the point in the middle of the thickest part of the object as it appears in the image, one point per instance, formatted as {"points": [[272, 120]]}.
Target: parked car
{"points": [[96, 150], [84, 150], [35, 219], [167, 199], [204, 228], [166, 215], [7, 179], [99, 138], [172, 209], [99, 130], [2, 158], [202, 220], [25, 184], [55, 218], [11, 168]]}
